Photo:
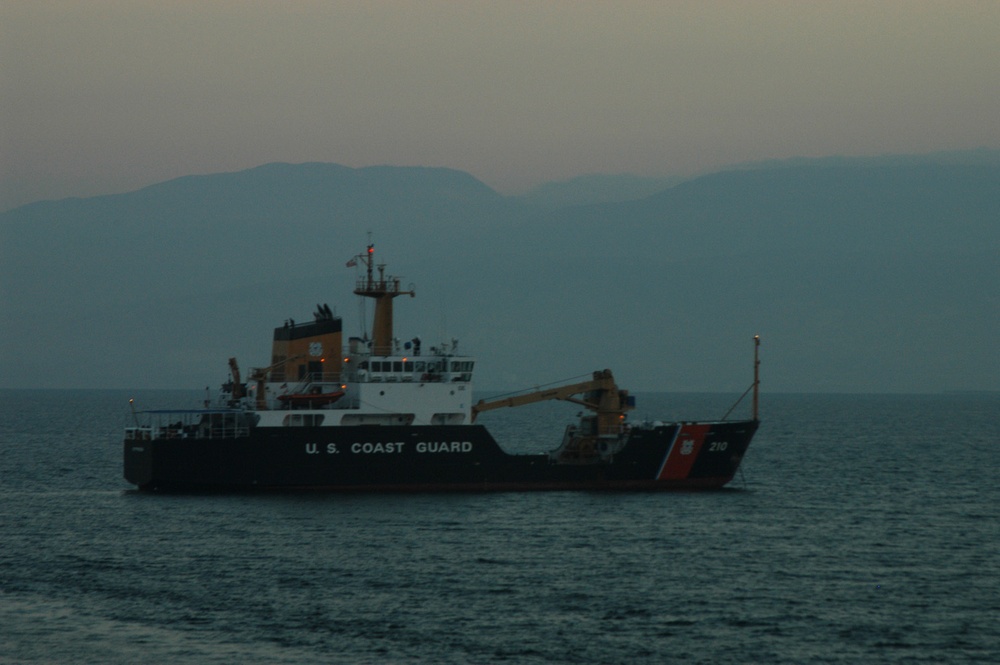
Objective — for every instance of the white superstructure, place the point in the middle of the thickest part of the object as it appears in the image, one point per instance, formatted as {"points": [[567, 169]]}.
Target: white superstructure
{"points": [[314, 381]]}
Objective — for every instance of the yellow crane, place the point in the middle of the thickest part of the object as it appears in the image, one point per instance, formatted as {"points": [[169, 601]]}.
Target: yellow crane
{"points": [[257, 375], [600, 395]]}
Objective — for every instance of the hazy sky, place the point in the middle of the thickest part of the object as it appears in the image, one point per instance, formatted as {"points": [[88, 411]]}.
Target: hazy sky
{"points": [[103, 96]]}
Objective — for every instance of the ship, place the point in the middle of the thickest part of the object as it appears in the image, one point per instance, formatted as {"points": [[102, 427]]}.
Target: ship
{"points": [[385, 415]]}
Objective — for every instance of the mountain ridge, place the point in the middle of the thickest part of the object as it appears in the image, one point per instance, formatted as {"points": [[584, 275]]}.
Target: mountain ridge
{"points": [[665, 288]]}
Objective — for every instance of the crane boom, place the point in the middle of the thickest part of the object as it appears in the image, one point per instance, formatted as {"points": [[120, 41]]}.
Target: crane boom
{"points": [[600, 395], [259, 374], [234, 370]]}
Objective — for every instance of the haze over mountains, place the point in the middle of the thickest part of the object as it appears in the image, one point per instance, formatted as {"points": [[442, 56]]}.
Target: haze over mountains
{"points": [[860, 275]]}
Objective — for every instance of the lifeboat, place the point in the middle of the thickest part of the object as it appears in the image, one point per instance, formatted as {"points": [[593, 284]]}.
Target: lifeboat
{"points": [[310, 400]]}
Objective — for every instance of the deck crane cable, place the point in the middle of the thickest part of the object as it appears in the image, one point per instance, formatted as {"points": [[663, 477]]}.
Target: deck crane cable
{"points": [[737, 402]]}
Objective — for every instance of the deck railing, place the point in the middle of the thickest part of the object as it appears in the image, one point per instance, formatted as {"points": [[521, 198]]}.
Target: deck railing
{"points": [[163, 425]]}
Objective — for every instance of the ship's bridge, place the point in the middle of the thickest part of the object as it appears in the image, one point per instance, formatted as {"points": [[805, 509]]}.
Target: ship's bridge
{"points": [[404, 369], [405, 364]]}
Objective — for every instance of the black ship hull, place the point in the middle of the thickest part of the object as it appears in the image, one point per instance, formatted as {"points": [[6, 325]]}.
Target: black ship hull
{"points": [[432, 459]]}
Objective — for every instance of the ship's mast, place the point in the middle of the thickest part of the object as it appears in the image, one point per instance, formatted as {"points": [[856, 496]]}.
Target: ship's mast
{"points": [[756, 375], [383, 289]]}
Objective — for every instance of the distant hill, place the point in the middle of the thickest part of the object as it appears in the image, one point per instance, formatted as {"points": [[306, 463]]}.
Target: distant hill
{"points": [[977, 157], [859, 276], [596, 188]]}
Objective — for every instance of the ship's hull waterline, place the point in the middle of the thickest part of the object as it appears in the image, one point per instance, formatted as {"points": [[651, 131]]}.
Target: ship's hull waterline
{"points": [[668, 456]]}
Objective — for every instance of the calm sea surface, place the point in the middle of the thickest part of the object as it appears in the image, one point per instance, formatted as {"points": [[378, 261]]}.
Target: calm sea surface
{"points": [[862, 529]]}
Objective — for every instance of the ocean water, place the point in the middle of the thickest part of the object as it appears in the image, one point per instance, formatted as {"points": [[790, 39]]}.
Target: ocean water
{"points": [[861, 529]]}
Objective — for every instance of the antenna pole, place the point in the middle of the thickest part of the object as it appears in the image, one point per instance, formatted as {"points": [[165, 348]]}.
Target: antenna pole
{"points": [[369, 259]]}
